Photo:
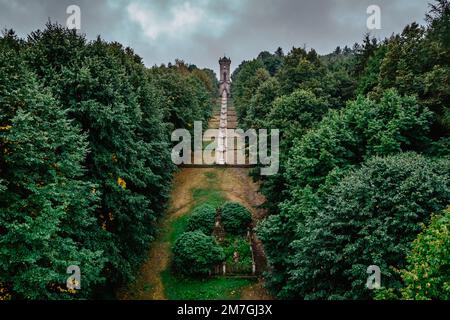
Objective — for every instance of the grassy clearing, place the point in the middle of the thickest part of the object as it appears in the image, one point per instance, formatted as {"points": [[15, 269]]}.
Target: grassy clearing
{"points": [[178, 288], [209, 196]]}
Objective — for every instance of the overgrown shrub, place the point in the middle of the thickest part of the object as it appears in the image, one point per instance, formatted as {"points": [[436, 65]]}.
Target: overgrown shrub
{"points": [[195, 253], [235, 218], [202, 219]]}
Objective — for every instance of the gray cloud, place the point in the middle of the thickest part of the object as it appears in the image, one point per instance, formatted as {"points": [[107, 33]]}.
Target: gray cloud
{"points": [[199, 31]]}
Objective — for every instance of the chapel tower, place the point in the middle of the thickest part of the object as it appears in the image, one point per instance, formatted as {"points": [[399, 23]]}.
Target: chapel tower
{"points": [[225, 76]]}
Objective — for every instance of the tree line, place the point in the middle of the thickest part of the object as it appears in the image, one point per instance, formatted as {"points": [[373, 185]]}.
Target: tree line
{"points": [[85, 167], [364, 165]]}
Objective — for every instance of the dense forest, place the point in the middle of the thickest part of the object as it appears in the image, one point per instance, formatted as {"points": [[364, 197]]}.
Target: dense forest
{"points": [[85, 168], [364, 166]]}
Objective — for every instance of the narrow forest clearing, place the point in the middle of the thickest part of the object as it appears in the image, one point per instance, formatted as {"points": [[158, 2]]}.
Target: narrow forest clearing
{"points": [[193, 187]]}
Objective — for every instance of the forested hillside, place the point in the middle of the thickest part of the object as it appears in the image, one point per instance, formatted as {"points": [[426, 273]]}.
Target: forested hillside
{"points": [[364, 163], [364, 180], [85, 168]]}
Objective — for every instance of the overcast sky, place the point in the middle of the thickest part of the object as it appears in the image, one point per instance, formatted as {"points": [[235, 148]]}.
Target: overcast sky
{"points": [[199, 31]]}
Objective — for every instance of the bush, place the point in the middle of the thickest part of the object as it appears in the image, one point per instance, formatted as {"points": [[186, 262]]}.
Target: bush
{"points": [[235, 218], [195, 253], [202, 219]]}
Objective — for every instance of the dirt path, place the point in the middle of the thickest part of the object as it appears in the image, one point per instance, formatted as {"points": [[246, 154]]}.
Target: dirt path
{"points": [[256, 292], [236, 186]]}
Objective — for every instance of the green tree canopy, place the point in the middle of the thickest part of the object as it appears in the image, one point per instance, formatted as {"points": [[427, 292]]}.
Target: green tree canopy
{"points": [[46, 207], [235, 218], [370, 217], [195, 253], [202, 219]]}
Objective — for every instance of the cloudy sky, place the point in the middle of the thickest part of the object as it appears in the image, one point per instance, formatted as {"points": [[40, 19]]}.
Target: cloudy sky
{"points": [[199, 31]]}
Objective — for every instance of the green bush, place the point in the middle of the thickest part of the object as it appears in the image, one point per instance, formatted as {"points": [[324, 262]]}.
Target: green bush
{"points": [[202, 219], [235, 218], [195, 253]]}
